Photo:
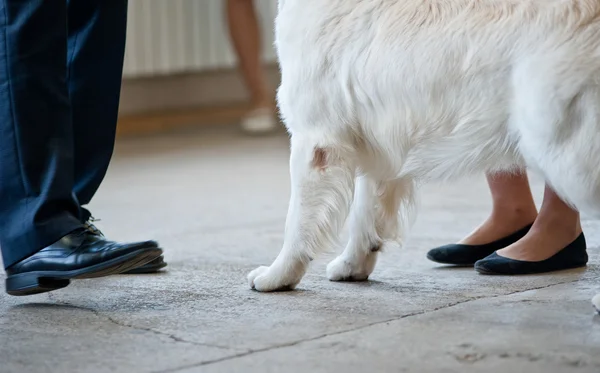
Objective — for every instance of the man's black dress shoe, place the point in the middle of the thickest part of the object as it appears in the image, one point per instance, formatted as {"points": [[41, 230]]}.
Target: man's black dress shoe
{"points": [[152, 267], [79, 254], [467, 255], [572, 256]]}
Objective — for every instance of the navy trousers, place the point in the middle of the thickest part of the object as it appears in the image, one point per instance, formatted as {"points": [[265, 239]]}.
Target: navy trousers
{"points": [[61, 65]]}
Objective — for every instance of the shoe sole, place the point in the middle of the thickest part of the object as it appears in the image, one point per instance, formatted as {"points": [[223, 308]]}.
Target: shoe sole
{"points": [[145, 269], [30, 283], [484, 271], [452, 264]]}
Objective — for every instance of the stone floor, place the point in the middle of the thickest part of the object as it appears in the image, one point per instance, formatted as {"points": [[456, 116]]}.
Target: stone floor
{"points": [[217, 201]]}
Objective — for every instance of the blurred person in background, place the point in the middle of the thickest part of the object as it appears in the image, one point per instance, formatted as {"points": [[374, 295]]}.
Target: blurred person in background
{"points": [[245, 34]]}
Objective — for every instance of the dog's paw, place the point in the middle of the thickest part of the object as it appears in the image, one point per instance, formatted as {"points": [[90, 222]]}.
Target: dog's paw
{"points": [[266, 279], [342, 269], [596, 303]]}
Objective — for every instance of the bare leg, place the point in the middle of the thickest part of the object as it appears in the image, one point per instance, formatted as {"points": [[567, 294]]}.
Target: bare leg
{"points": [[245, 34], [513, 208], [556, 226], [322, 188], [373, 220]]}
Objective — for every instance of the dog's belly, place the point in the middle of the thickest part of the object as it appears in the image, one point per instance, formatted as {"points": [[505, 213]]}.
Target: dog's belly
{"points": [[448, 128]]}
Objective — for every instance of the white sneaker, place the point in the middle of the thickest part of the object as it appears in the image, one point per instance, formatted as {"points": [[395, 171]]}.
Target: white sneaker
{"points": [[259, 121], [596, 303]]}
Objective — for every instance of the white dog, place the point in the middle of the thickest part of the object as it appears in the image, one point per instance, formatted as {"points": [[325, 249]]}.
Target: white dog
{"points": [[379, 95]]}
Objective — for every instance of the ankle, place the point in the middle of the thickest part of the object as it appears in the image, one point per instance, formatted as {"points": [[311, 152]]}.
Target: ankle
{"points": [[557, 226], [500, 224], [516, 216]]}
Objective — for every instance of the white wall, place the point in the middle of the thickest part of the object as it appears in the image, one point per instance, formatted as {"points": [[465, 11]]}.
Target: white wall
{"points": [[180, 36]]}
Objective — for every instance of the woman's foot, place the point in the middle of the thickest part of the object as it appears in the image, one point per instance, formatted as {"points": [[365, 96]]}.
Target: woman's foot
{"points": [[513, 208], [554, 242], [467, 255], [556, 226], [501, 223], [573, 255], [544, 240], [513, 213]]}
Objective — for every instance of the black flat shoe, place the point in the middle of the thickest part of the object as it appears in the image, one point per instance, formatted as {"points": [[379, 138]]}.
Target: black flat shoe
{"points": [[467, 255], [79, 254], [572, 256], [154, 266]]}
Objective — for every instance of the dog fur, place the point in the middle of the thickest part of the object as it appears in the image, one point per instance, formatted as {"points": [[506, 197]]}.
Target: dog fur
{"points": [[382, 95]]}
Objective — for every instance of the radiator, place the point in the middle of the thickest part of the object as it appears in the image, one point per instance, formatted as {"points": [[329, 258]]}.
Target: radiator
{"points": [[178, 36]]}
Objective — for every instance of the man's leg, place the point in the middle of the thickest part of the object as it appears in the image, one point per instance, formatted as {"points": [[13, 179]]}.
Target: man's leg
{"points": [[37, 205], [43, 242], [96, 31]]}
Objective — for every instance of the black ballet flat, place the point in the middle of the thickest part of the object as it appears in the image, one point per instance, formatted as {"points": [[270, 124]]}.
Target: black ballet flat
{"points": [[572, 256], [467, 255]]}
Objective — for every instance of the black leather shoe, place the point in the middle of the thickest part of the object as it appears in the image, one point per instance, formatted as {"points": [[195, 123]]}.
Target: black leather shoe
{"points": [[79, 254], [572, 256], [152, 267], [467, 255]]}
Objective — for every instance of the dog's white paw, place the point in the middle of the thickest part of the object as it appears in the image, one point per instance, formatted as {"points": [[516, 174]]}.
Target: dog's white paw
{"points": [[596, 303], [343, 269], [268, 279]]}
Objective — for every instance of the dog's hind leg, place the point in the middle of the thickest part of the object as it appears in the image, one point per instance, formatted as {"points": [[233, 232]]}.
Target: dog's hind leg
{"points": [[567, 152], [555, 114], [374, 219], [322, 176]]}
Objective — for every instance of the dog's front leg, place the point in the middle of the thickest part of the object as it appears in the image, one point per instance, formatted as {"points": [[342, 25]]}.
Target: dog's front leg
{"points": [[322, 187]]}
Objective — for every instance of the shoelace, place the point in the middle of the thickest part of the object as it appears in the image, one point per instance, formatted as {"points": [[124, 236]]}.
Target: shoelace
{"points": [[89, 225]]}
